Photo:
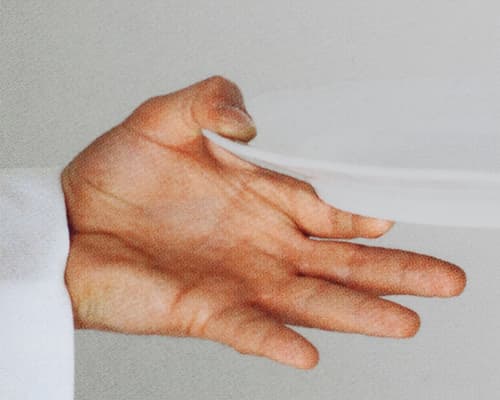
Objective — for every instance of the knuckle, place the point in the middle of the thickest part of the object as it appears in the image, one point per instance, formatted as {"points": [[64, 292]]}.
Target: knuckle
{"points": [[149, 102], [335, 217], [247, 329], [365, 305], [309, 295], [266, 336], [406, 267], [153, 104], [206, 318], [294, 192], [303, 253], [303, 188], [217, 80], [176, 301], [355, 254], [267, 292], [153, 100], [304, 195], [203, 328], [220, 83], [146, 113]]}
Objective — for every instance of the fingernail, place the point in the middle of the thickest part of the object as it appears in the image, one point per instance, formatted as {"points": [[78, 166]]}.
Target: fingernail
{"points": [[244, 114], [382, 225], [243, 126]]}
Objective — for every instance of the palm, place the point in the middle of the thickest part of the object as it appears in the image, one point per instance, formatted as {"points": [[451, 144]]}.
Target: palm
{"points": [[172, 235]]}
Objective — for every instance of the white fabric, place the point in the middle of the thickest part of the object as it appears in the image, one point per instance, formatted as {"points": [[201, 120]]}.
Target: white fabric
{"points": [[36, 322]]}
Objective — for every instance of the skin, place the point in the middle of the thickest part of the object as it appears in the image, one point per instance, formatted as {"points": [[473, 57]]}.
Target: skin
{"points": [[172, 235]]}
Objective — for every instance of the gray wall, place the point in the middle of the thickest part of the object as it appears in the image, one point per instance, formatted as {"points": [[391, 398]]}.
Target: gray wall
{"points": [[72, 69]]}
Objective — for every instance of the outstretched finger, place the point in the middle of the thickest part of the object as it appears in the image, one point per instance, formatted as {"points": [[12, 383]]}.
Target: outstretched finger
{"points": [[380, 270], [319, 304], [312, 215], [251, 331]]}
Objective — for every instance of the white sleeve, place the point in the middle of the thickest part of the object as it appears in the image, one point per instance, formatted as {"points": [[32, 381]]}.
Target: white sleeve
{"points": [[36, 322]]}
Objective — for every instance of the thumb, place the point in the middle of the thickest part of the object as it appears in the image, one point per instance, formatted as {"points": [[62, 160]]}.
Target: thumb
{"points": [[215, 104]]}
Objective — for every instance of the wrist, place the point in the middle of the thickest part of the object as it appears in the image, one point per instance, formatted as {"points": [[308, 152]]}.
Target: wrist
{"points": [[69, 275]]}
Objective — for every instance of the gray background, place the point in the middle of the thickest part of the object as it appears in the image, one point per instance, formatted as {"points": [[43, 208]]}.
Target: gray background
{"points": [[72, 69]]}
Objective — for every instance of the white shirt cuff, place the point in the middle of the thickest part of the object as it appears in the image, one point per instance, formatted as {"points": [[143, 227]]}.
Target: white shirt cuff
{"points": [[36, 331]]}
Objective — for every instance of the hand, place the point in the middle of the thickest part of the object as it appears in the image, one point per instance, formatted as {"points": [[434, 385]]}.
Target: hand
{"points": [[172, 235]]}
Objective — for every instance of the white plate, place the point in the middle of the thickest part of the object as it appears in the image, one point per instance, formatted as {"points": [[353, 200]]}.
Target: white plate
{"points": [[422, 151]]}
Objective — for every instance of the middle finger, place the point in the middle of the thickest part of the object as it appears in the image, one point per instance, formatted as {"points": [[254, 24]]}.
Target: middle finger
{"points": [[380, 270]]}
